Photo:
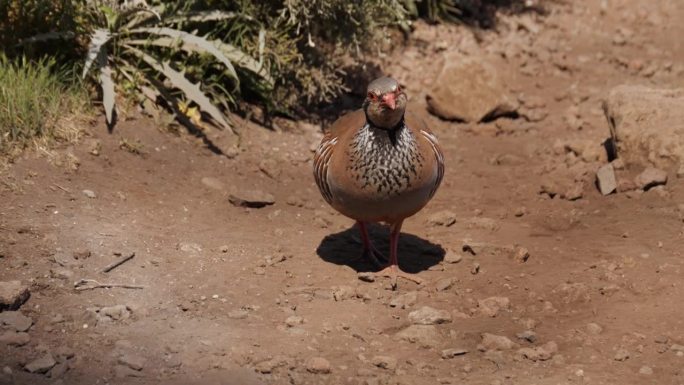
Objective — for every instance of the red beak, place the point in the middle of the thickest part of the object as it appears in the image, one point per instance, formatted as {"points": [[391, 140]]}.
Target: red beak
{"points": [[389, 100]]}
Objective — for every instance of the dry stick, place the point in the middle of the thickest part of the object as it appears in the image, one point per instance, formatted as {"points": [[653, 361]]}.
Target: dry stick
{"points": [[116, 263], [82, 285]]}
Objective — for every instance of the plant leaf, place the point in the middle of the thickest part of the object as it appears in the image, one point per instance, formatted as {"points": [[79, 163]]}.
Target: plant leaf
{"points": [[191, 91], [108, 92], [234, 54], [194, 43], [201, 17], [97, 48]]}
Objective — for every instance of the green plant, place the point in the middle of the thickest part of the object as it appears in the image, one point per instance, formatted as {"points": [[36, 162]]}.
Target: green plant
{"points": [[33, 99], [145, 51]]}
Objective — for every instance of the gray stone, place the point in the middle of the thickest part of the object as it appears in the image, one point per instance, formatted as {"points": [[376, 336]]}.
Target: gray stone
{"points": [[425, 336], [605, 178], [294, 320], [470, 89], [429, 316], [123, 371], [385, 362], [13, 338], [527, 335], [453, 257], [404, 301], [442, 218], [90, 194], [621, 355], [493, 305], [651, 177], [251, 198], [594, 328], [318, 365], [116, 313], [133, 361], [646, 370], [59, 370], [340, 293], [16, 320], [453, 352], [540, 353], [495, 342], [41, 365], [13, 294], [646, 125], [213, 183], [444, 284]]}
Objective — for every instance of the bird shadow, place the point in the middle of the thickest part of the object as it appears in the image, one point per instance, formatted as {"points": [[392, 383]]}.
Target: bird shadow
{"points": [[346, 248]]}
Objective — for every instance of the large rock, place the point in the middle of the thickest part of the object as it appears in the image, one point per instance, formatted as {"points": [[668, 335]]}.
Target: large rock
{"points": [[647, 125], [469, 90], [13, 294]]}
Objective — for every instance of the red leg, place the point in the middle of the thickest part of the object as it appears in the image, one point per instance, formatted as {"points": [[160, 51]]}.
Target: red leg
{"points": [[369, 251], [392, 271]]}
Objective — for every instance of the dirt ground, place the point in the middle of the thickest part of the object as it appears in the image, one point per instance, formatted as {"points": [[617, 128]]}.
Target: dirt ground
{"points": [[270, 295]]}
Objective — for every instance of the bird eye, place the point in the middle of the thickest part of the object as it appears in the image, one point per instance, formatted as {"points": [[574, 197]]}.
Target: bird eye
{"points": [[398, 89], [371, 96]]}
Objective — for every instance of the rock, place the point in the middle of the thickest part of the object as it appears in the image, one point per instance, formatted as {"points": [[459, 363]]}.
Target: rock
{"points": [[404, 301], [621, 355], [680, 171], [61, 273], [442, 218], [646, 125], [521, 254], [574, 292], [132, 361], [123, 371], [425, 336], [213, 183], [650, 177], [340, 293], [429, 316], [493, 305], [90, 194], [13, 294], [385, 362], [117, 312], [594, 328], [366, 276], [15, 320], [318, 365], [575, 192], [81, 254], [251, 198], [294, 320], [605, 178], [527, 335], [13, 338], [469, 89], [445, 284], [189, 247], [238, 314], [453, 352], [41, 365], [453, 257], [540, 353], [646, 370], [59, 370], [494, 342]]}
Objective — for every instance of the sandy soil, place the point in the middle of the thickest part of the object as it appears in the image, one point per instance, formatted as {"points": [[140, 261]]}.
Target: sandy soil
{"points": [[270, 295]]}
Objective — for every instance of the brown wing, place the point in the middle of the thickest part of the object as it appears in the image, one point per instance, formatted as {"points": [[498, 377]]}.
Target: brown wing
{"points": [[344, 125], [419, 127]]}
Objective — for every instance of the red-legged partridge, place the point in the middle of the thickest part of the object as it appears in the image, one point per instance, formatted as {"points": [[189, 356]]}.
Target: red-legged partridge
{"points": [[380, 164]]}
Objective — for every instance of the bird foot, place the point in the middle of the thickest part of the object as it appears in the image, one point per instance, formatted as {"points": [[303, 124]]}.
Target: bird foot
{"points": [[393, 272]]}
